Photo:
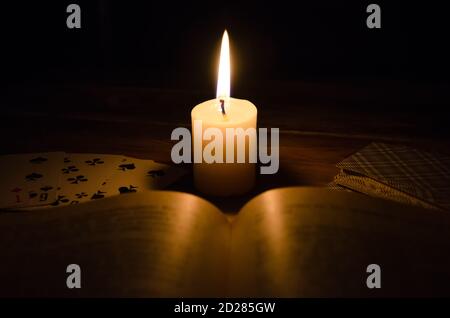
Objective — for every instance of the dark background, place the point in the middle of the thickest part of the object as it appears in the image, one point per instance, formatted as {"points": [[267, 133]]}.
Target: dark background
{"points": [[135, 69], [175, 44]]}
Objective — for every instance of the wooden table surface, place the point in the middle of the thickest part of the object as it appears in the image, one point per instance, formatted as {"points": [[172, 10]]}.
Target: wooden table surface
{"points": [[320, 123]]}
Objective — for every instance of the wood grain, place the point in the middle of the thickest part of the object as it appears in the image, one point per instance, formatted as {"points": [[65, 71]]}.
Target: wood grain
{"points": [[320, 124]]}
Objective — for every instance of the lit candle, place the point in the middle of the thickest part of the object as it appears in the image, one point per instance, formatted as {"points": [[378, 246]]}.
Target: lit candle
{"points": [[230, 176]]}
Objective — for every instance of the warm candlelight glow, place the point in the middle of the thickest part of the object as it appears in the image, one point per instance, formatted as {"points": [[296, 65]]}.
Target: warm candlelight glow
{"points": [[223, 81], [224, 138]]}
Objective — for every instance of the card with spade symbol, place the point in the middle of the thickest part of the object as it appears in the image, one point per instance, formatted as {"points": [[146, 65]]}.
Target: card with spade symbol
{"points": [[29, 180], [135, 175], [82, 175]]}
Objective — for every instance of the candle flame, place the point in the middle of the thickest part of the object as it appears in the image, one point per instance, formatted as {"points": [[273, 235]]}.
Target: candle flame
{"points": [[223, 81]]}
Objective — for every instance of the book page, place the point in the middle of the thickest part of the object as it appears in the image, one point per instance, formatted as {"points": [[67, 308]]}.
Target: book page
{"points": [[145, 244], [312, 242]]}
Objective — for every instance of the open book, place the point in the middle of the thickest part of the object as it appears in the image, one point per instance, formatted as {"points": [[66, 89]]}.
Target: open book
{"points": [[285, 243]]}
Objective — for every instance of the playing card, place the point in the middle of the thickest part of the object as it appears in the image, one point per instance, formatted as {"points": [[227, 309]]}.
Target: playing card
{"points": [[135, 175], [29, 179], [399, 171], [82, 175]]}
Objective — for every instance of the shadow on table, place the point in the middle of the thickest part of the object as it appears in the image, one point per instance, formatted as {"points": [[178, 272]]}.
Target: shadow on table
{"points": [[231, 205]]}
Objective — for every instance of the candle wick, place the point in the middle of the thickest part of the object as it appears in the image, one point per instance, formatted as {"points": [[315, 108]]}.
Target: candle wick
{"points": [[222, 105]]}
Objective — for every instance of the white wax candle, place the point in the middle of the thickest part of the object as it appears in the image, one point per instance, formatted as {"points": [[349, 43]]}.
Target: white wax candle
{"points": [[225, 179], [227, 176]]}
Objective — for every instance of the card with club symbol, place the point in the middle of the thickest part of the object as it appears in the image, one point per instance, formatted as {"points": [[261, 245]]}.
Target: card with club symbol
{"points": [[34, 181], [135, 175], [29, 179], [82, 175]]}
